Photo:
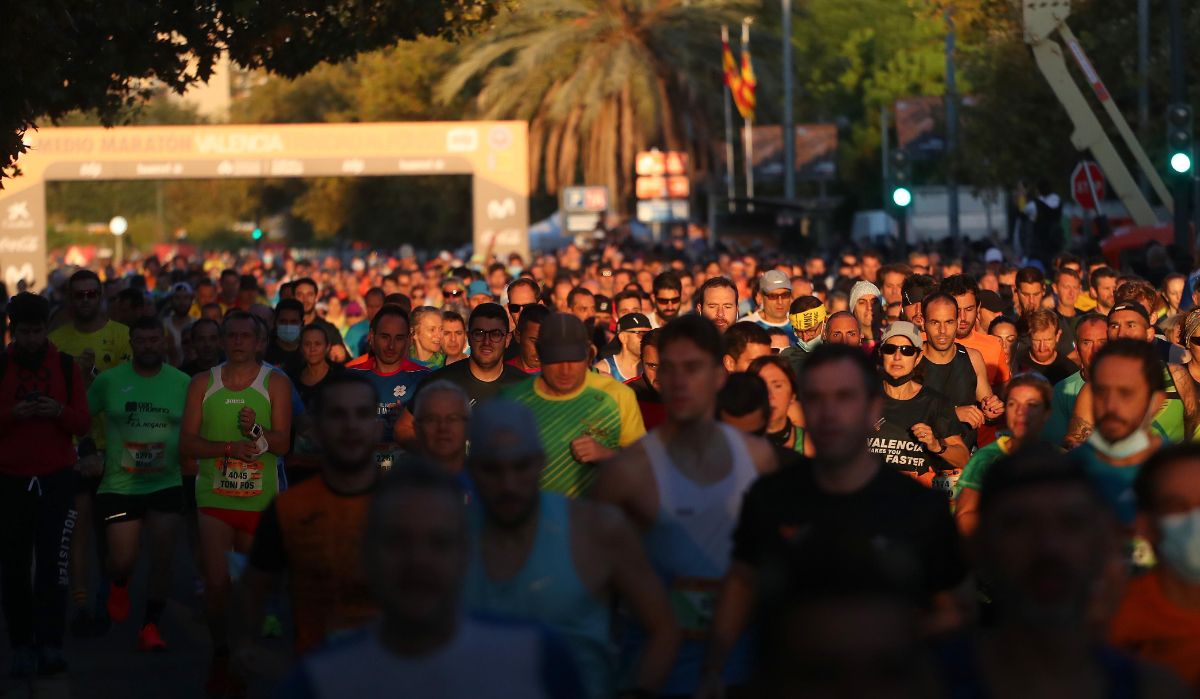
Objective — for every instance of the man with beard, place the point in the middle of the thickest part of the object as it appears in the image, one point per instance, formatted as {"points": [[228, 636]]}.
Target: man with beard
{"points": [[1044, 541], [682, 485], [306, 294], [394, 376], [42, 406], [667, 294], [1041, 353], [1127, 389], [844, 488], [483, 373], [97, 344], [1030, 296], [717, 300], [1177, 418], [842, 329], [143, 401], [540, 557], [313, 531]]}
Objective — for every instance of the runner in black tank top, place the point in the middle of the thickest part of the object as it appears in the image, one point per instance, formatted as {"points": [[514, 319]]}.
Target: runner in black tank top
{"points": [[956, 380]]}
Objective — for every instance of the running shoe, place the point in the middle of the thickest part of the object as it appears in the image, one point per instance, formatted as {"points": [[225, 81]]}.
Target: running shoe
{"points": [[118, 602], [150, 640], [272, 627]]}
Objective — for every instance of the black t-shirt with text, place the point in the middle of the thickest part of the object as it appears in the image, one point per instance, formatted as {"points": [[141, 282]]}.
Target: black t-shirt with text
{"points": [[892, 511], [894, 440]]}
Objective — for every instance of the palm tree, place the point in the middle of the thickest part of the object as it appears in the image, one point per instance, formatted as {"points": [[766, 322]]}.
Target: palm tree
{"points": [[599, 80]]}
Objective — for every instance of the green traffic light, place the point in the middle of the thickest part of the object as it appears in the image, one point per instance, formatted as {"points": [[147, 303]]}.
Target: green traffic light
{"points": [[901, 196], [257, 233], [1181, 162]]}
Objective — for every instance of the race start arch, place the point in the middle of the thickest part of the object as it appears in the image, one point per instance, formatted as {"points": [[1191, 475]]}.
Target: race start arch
{"points": [[494, 153]]}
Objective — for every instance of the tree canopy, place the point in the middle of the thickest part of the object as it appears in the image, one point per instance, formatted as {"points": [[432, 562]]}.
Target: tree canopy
{"points": [[65, 55]]}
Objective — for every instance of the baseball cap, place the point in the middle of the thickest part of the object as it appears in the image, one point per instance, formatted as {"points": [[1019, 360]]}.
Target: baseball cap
{"points": [[991, 301], [774, 280], [603, 304], [993, 255], [563, 338], [633, 321], [479, 288], [503, 430], [182, 288], [1131, 306], [862, 289], [902, 328]]}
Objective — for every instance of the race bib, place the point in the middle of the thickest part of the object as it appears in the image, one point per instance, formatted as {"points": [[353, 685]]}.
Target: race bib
{"points": [[693, 601], [238, 479], [384, 459], [143, 457]]}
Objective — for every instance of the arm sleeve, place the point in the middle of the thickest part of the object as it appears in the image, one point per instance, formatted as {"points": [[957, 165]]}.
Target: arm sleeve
{"points": [[267, 553]]}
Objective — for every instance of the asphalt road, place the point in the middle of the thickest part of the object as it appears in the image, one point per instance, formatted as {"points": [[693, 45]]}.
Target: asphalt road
{"points": [[112, 668]]}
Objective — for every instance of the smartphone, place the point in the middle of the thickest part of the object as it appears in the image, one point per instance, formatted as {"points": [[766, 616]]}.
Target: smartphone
{"points": [[257, 431]]}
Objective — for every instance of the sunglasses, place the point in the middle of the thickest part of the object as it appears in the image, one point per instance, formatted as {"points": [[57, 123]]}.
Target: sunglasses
{"points": [[904, 350], [673, 301], [515, 308], [90, 294], [452, 293]]}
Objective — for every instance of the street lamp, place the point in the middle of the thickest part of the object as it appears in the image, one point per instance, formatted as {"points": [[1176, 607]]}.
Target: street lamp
{"points": [[117, 226]]}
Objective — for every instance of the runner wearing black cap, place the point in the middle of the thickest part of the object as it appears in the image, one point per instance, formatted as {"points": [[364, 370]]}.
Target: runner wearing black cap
{"points": [[583, 416], [627, 363]]}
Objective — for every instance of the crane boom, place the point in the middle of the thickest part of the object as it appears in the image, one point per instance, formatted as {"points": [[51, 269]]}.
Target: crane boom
{"points": [[1045, 18]]}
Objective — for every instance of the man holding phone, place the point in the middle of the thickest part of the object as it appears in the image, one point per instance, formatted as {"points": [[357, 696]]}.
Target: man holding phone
{"points": [[42, 406]]}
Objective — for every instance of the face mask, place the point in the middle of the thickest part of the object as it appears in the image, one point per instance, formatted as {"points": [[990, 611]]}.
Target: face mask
{"points": [[1180, 546], [1135, 443], [288, 333], [896, 380], [809, 345]]}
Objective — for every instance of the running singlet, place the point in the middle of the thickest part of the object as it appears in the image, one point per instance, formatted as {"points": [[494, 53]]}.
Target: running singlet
{"points": [[142, 429], [603, 408], [689, 546], [394, 390], [547, 589], [614, 370], [229, 483]]}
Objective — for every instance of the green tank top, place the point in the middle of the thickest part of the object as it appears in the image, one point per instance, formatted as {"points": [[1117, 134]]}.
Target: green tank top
{"points": [[228, 483], [1168, 422]]}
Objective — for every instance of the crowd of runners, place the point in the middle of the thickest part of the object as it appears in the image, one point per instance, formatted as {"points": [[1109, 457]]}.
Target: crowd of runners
{"points": [[621, 472]]}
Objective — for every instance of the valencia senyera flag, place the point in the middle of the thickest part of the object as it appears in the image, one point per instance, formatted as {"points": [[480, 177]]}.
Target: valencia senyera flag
{"points": [[741, 82]]}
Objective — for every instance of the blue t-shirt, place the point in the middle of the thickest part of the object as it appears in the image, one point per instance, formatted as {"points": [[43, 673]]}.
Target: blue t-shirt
{"points": [[394, 390]]}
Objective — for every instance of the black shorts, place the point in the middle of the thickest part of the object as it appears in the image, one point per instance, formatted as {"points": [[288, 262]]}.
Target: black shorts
{"points": [[112, 508]]}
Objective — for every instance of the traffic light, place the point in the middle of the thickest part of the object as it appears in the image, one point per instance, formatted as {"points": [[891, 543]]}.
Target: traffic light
{"points": [[257, 234], [901, 178], [1179, 137]]}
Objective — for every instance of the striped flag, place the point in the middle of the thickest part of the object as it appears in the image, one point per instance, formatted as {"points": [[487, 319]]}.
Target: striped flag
{"points": [[741, 82]]}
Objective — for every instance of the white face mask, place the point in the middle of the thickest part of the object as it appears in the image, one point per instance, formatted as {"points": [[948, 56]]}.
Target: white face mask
{"points": [[1180, 545], [288, 332], [1135, 443]]}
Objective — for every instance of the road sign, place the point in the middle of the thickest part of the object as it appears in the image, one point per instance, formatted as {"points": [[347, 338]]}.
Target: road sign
{"points": [[590, 198], [1087, 184]]}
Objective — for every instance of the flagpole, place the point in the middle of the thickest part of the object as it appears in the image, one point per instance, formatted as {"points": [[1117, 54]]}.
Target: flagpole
{"points": [[748, 141], [730, 186]]}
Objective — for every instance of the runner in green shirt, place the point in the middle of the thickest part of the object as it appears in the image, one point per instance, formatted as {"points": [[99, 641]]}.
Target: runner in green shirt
{"points": [[143, 400]]}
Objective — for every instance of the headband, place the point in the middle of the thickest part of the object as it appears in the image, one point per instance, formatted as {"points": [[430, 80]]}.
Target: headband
{"points": [[807, 320]]}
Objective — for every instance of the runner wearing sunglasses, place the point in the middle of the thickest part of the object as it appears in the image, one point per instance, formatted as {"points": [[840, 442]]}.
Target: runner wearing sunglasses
{"points": [[919, 433]]}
